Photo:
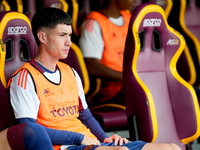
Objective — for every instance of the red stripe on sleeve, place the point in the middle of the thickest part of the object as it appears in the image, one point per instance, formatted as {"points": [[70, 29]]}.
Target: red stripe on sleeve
{"points": [[26, 76], [22, 78], [89, 25], [19, 77]]}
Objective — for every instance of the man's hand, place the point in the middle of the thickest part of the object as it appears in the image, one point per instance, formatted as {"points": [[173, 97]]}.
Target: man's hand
{"points": [[90, 141], [116, 139]]}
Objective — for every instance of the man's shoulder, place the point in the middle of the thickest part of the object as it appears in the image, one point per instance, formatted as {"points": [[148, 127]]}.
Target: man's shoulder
{"points": [[98, 16], [64, 66]]}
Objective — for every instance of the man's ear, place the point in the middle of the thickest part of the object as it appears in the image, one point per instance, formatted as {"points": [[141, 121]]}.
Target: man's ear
{"points": [[42, 37]]}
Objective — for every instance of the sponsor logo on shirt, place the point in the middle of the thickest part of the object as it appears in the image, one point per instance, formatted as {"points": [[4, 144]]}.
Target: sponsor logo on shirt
{"points": [[64, 109], [61, 109], [47, 92]]}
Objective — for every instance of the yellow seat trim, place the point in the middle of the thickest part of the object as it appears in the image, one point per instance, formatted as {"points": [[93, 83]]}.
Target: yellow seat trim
{"points": [[75, 17], [168, 8], [19, 6], [65, 5], [97, 88], [6, 5], [2, 62]]}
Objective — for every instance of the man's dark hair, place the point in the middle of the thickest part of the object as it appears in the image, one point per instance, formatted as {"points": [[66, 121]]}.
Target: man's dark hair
{"points": [[49, 17]]}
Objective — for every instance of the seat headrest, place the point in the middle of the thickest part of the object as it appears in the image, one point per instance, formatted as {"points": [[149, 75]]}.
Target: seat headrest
{"points": [[147, 19], [151, 30], [16, 26]]}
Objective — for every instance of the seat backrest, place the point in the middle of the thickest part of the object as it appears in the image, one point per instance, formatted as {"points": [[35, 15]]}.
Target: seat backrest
{"points": [[192, 49], [18, 40], [157, 98], [76, 61], [17, 46], [186, 66]]}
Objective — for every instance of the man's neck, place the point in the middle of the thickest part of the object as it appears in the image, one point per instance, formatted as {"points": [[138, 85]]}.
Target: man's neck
{"points": [[111, 12], [45, 60], [48, 64]]}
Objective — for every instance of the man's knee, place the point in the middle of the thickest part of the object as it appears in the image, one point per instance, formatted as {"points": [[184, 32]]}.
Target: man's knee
{"points": [[36, 137], [163, 146], [174, 146], [4, 141]]}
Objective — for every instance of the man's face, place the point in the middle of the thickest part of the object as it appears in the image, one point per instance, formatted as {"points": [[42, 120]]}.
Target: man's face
{"points": [[58, 41]]}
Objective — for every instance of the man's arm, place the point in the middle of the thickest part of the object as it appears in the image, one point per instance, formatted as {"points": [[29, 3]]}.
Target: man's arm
{"points": [[85, 115], [98, 70], [90, 122]]}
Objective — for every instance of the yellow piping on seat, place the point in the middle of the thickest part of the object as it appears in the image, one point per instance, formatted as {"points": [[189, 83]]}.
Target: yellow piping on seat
{"points": [[168, 8], [65, 5], [75, 17], [19, 6]]}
